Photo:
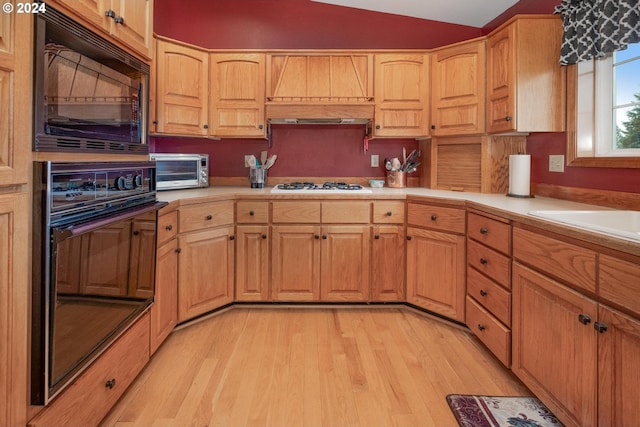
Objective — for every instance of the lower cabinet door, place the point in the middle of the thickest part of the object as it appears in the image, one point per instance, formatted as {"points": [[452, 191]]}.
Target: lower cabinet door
{"points": [[164, 311], [436, 272], [388, 263], [554, 346], [295, 263], [252, 263], [205, 271]]}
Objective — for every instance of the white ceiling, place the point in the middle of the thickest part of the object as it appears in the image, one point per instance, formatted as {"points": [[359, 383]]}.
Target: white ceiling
{"points": [[475, 13]]}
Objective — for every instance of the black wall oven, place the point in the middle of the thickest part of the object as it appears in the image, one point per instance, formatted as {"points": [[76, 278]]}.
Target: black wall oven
{"points": [[89, 94], [93, 263]]}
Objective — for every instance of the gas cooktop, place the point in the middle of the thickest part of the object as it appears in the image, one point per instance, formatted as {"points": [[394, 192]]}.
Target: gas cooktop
{"points": [[327, 187]]}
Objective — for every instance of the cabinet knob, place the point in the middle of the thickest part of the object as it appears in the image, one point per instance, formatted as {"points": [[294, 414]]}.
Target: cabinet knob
{"points": [[232, 237], [316, 236], [260, 126], [178, 250], [434, 217], [136, 232], [484, 261], [119, 20], [155, 122], [433, 126], [389, 213], [205, 126], [481, 327], [600, 327], [209, 217], [483, 230], [110, 383], [584, 319], [377, 126], [110, 14], [483, 293], [251, 213], [324, 237], [264, 236], [169, 227], [408, 237], [376, 236], [508, 118]]}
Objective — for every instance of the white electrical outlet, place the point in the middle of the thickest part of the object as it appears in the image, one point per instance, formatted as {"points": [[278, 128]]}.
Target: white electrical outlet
{"points": [[375, 161], [246, 161], [556, 163]]}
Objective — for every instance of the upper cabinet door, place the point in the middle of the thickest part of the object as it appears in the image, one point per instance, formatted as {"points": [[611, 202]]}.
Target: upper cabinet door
{"points": [[401, 95], [525, 82], [458, 89], [181, 90], [93, 11], [15, 88], [133, 24], [236, 106]]}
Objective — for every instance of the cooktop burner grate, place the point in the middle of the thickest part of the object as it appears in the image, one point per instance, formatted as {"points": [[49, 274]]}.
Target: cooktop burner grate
{"points": [[325, 186]]}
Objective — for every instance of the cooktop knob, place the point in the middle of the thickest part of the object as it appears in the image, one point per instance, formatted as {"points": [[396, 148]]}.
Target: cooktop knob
{"points": [[137, 181], [120, 183]]}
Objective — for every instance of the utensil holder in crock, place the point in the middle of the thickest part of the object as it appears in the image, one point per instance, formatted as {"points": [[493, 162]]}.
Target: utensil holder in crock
{"points": [[257, 177], [396, 179]]}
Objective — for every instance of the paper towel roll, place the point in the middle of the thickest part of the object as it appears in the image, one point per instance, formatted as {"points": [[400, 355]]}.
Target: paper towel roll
{"points": [[519, 175]]}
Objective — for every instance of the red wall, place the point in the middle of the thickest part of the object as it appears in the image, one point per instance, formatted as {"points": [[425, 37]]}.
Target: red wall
{"points": [[338, 151]]}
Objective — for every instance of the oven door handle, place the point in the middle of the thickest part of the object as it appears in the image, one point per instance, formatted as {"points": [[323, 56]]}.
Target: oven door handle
{"points": [[64, 233]]}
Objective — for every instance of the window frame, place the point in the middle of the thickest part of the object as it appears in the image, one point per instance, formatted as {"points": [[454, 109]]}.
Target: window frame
{"points": [[584, 156]]}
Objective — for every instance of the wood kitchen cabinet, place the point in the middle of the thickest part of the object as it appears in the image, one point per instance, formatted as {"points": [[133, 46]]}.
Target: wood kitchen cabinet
{"points": [[401, 95], [525, 83], [182, 89], [458, 89], [436, 259], [237, 86], [164, 311], [388, 253], [141, 273], [555, 345], [130, 22], [207, 258], [252, 251]]}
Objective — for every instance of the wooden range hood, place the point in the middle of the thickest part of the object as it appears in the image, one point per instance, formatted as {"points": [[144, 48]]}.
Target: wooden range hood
{"points": [[319, 88]]}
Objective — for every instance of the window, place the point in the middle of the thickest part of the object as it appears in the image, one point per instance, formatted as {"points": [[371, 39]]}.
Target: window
{"points": [[604, 101]]}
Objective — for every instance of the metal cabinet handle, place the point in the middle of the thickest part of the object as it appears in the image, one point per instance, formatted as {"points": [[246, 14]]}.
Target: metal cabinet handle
{"points": [[205, 126], [408, 237], [377, 126], [483, 293], [376, 236], [232, 237], [434, 217], [136, 232], [483, 230], [178, 250], [110, 14], [251, 213], [508, 118], [389, 213], [264, 236], [316, 236], [484, 261], [209, 217], [324, 236], [433, 126], [260, 126], [110, 383], [584, 319], [600, 327], [481, 327], [119, 20], [169, 227]]}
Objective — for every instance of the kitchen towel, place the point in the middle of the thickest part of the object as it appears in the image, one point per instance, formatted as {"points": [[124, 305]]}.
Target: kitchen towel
{"points": [[519, 175]]}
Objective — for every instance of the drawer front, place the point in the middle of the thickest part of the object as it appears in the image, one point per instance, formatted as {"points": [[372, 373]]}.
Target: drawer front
{"points": [[490, 331], [252, 212], [619, 282], [436, 217], [346, 212], [493, 297], [490, 232], [167, 227], [295, 212], [492, 263], [206, 215], [388, 212], [568, 262], [121, 362]]}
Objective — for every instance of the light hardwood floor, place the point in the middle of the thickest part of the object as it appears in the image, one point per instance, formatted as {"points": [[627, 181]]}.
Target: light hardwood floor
{"points": [[283, 366]]}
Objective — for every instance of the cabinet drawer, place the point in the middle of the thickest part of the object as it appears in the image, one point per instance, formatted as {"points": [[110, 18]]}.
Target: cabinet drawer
{"points": [[292, 212], [87, 400], [167, 226], [436, 217], [571, 263], [206, 215], [490, 262], [388, 212], [490, 232], [490, 331], [346, 212], [252, 212], [619, 282], [490, 295]]}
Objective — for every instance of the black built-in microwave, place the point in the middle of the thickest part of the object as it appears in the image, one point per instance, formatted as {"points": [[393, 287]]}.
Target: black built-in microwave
{"points": [[89, 94]]}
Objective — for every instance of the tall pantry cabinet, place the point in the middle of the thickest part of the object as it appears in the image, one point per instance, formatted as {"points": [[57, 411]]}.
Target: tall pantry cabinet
{"points": [[15, 136]]}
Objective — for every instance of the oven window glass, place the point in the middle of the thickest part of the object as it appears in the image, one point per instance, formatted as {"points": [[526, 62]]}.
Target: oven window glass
{"points": [[102, 279], [177, 170]]}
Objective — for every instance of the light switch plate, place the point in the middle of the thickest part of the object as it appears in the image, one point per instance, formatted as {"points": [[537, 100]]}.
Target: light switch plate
{"points": [[375, 161], [246, 160], [556, 163]]}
